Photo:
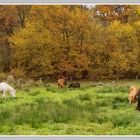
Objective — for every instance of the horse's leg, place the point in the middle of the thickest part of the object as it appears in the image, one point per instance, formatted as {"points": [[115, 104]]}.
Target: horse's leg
{"points": [[3, 95], [58, 85], [65, 81], [138, 103], [62, 85]]}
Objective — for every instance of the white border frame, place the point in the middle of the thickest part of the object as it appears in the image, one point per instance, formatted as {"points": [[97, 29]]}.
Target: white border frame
{"points": [[36, 137], [75, 2], [69, 137]]}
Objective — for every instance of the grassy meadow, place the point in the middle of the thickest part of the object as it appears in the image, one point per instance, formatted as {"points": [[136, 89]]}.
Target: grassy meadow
{"points": [[89, 110]]}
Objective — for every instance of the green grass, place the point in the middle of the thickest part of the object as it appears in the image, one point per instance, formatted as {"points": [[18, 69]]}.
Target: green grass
{"points": [[47, 110]]}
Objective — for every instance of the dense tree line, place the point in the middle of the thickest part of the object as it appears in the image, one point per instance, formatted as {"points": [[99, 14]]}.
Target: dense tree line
{"points": [[99, 42]]}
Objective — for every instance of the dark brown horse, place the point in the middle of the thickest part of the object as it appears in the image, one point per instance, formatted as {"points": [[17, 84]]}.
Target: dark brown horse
{"points": [[74, 85], [138, 104]]}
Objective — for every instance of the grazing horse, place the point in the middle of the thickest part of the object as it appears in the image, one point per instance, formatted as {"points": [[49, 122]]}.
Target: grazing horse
{"points": [[74, 85], [62, 81], [133, 93], [4, 87]]}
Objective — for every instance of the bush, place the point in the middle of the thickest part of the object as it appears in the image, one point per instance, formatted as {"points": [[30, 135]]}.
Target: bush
{"points": [[10, 79], [2, 76], [17, 73], [26, 87], [38, 83]]}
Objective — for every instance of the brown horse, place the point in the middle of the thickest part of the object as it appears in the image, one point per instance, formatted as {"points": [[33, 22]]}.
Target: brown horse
{"points": [[133, 93], [62, 81]]}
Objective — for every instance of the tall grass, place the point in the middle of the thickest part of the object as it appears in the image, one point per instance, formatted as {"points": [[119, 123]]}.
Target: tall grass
{"points": [[49, 110], [112, 89]]}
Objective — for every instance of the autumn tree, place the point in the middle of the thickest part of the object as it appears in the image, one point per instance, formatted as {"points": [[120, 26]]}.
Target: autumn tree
{"points": [[75, 40], [70, 26], [7, 25], [22, 12]]}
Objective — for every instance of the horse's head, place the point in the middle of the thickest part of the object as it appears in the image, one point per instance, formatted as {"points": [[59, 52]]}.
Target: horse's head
{"points": [[13, 93], [131, 99]]}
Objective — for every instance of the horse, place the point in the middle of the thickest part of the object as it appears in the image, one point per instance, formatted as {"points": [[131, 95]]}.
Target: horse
{"points": [[138, 104], [74, 85], [62, 81], [4, 87], [133, 93]]}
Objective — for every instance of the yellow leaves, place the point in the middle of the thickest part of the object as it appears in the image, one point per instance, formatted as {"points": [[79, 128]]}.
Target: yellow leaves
{"points": [[118, 62], [69, 38], [137, 24], [118, 27], [17, 73], [104, 8], [137, 9], [124, 33], [31, 46]]}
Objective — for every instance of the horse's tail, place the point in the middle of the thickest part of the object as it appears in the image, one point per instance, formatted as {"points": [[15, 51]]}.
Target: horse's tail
{"points": [[61, 83]]}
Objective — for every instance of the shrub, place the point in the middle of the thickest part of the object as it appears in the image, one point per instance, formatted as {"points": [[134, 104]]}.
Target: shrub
{"points": [[17, 73], [26, 87], [10, 79], [38, 83], [2, 76]]}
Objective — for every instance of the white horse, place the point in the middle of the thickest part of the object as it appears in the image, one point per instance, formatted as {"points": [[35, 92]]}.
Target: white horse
{"points": [[4, 87]]}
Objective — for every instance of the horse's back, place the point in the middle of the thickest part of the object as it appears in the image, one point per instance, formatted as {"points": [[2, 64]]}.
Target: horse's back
{"points": [[5, 86], [61, 82], [133, 90], [74, 85]]}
